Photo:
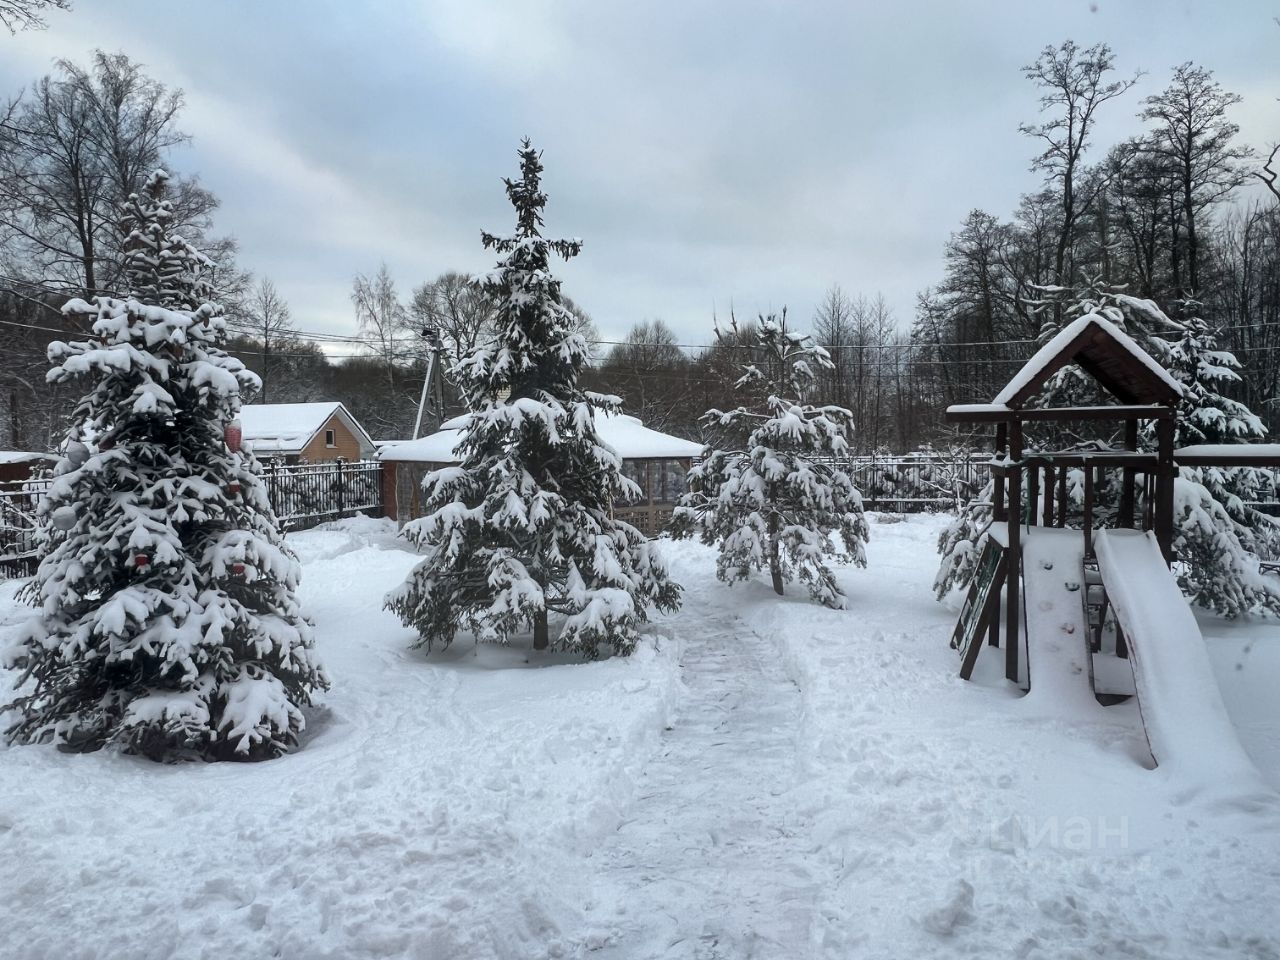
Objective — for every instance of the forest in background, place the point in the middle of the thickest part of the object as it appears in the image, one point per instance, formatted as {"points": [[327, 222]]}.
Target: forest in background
{"points": [[1181, 212]]}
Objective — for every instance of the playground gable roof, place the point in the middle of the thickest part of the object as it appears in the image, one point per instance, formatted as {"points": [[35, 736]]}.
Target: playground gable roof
{"points": [[1106, 353]]}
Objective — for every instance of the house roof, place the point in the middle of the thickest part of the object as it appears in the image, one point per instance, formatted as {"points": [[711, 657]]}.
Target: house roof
{"points": [[1106, 353], [24, 456], [628, 437], [286, 428]]}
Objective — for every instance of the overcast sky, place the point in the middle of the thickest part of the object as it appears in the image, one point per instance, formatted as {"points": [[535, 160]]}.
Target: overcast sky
{"points": [[709, 154]]}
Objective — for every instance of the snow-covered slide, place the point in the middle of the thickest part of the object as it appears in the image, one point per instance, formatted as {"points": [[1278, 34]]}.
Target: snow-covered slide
{"points": [[1059, 665], [1190, 734]]}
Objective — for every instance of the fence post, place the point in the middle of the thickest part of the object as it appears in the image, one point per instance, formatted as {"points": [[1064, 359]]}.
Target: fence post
{"points": [[339, 486]]}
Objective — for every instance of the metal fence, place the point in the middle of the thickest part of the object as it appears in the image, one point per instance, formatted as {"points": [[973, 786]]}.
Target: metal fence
{"points": [[305, 494], [302, 496], [18, 549], [928, 481]]}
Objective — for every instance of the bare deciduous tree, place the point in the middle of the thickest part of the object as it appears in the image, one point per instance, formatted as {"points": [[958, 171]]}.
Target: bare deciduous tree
{"points": [[1269, 174], [457, 309], [382, 318], [28, 14], [73, 148], [267, 316], [1193, 139], [651, 373], [1074, 85]]}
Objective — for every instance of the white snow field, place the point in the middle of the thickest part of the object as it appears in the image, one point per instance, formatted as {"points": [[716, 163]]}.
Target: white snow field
{"points": [[765, 778]]}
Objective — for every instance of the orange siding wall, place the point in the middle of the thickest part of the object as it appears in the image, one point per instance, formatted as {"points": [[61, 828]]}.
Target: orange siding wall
{"points": [[346, 444]]}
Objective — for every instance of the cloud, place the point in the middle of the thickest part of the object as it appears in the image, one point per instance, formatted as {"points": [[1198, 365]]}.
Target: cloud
{"points": [[707, 153]]}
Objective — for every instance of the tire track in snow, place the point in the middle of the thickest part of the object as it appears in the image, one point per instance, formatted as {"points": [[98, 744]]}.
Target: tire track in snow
{"points": [[711, 861]]}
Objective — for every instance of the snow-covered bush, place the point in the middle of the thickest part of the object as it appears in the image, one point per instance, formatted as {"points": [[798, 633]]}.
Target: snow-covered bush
{"points": [[523, 526], [960, 543], [167, 621], [771, 492]]}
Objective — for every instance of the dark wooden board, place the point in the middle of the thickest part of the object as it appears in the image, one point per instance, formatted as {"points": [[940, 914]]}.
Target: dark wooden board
{"points": [[980, 604]]}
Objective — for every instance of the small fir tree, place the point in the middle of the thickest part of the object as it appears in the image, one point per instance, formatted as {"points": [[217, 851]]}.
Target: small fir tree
{"points": [[168, 623], [1218, 532], [523, 526], [770, 492]]}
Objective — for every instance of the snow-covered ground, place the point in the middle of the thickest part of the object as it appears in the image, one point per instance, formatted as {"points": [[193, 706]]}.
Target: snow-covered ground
{"points": [[764, 778]]}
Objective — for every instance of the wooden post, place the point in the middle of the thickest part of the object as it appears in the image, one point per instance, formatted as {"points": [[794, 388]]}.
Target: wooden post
{"points": [[1088, 510], [1127, 481], [1013, 605], [1164, 487], [998, 511], [389, 490], [1062, 496], [1050, 518], [1033, 495], [993, 631]]}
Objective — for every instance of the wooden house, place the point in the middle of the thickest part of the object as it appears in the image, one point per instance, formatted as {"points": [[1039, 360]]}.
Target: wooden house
{"points": [[657, 462], [305, 432]]}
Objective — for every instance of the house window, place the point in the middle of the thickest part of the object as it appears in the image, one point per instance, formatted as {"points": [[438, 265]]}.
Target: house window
{"points": [[330, 439]]}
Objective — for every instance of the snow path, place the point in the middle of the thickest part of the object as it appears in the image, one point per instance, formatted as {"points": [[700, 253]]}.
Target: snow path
{"points": [[712, 823], [828, 789]]}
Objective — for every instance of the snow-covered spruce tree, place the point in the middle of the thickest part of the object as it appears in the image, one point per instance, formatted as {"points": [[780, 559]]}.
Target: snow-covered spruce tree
{"points": [[168, 625], [523, 526], [1217, 533], [767, 493]]}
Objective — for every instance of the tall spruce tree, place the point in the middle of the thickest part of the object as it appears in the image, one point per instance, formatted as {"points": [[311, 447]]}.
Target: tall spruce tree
{"points": [[168, 624], [770, 493], [522, 528]]}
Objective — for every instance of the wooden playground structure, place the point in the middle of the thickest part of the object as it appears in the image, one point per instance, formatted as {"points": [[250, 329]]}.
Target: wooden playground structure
{"points": [[1058, 582]]}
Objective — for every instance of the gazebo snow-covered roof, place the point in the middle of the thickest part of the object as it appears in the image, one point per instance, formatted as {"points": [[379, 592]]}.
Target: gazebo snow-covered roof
{"points": [[285, 429], [656, 462], [628, 437]]}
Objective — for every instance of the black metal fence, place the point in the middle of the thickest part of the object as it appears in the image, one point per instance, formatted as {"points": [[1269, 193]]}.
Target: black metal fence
{"points": [[302, 496], [925, 482], [305, 494], [18, 550]]}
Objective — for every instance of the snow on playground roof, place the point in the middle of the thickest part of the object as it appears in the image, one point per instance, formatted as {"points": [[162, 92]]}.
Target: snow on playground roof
{"points": [[630, 438], [1088, 353], [288, 427]]}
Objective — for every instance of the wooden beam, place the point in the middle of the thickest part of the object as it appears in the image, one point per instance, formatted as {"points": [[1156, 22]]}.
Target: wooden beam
{"points": [[1118, 412], [1164, 488], [1002, 440], [1013, 604], [1103, 458]]}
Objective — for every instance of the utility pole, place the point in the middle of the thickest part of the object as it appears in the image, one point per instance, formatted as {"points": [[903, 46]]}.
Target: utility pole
{"points": [[434, 377]]}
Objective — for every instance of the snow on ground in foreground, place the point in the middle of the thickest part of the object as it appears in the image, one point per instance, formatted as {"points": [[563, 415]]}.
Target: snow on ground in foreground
{"points": [[765, 778]]}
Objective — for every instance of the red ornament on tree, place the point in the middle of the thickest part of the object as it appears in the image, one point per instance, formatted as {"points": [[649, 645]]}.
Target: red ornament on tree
{"points": [[237, 569], [233, 435], [141, 560], [233, 489]]}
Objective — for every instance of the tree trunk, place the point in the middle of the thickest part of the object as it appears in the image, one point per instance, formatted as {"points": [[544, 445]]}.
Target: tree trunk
{"points": [[775, 562], [1193, 265], [540, 639]]}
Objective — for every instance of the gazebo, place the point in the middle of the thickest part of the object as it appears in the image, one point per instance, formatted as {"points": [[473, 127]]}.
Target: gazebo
{"points": [[656, 461]]}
